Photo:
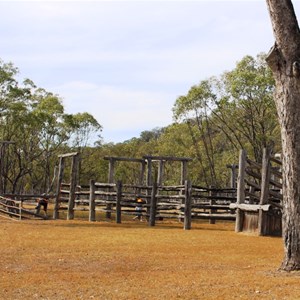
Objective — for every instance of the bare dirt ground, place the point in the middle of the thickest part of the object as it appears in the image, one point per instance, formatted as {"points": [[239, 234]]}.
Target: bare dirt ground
{"points": [[103, 260]]}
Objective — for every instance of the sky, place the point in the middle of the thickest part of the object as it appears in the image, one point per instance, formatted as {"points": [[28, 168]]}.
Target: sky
{"points": [[126, 62]]}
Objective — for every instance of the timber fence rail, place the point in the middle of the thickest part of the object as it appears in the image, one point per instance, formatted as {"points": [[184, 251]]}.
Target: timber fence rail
{"points": [[14, 208], [182, 202], [259, 195], [213, 203]]}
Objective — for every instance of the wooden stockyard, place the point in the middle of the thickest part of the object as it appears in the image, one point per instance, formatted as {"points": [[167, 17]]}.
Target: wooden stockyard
{"points": [[13, 207], [259, 195], [255, 204], [184, 201]]}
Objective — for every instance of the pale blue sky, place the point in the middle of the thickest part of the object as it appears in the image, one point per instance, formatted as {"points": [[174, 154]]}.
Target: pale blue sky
{"points": [[126, 62]]}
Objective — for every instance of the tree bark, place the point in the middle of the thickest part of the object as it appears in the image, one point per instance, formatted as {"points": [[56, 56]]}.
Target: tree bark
{"points": [[284, 60]]}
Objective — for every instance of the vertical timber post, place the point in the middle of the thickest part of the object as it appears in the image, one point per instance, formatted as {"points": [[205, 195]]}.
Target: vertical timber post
{"points": [[160, 172], [149, 172], [111, 178], [142, 176], [58, 187], [188, 205], [73, 184], [153, 205], [264, 196], [183, 182], [92, 212], [212, 201], [149, 180], [118, 202], [240, 191]]}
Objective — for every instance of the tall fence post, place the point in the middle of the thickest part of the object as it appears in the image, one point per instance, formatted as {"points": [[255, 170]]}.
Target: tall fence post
{"points": [[240, 191], [111, 179], [73, 184], [160, 173], [92, 212], [264, 196], [20, 209], [187, 205], [58, 187], [118, 202], [153, 205], [212, 201]]}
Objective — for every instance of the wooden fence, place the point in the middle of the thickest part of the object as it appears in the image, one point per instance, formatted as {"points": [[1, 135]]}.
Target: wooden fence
{"points": [[259, 195], [256, 203], [182, 202], [14, 208]]}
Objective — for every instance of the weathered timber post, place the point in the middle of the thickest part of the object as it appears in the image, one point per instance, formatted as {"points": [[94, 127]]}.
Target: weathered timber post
{"points": [[153, 205], [111, 170], [187, 205], [240, 191], [160, 172], [142, 174], [264, 196], [92, 212], [118, 202], [61, 168], [149, 171], [212, 201], [111, 178], [183, 178], [149, 179], [20, 209], [73, 184]]}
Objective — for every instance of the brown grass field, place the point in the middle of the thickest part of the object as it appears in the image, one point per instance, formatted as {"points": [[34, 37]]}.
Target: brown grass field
{"points": [[103, 260]]}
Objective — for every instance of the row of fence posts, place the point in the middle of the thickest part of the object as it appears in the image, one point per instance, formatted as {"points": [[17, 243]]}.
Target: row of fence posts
{"points": [[151, 211]]}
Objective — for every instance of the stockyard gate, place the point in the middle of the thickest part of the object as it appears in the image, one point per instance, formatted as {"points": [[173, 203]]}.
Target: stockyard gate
{"points": [[253, 201]]}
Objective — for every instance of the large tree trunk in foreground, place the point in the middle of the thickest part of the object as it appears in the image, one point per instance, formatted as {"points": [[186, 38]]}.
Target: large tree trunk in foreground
{"points": [[284, 60]]}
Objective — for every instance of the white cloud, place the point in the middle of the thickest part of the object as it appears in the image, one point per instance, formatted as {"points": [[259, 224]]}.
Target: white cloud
{"points": [[126, 62], [116, 108]]}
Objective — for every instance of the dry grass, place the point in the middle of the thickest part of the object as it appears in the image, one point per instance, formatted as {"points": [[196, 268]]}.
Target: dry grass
{"points": [[103, 260]]}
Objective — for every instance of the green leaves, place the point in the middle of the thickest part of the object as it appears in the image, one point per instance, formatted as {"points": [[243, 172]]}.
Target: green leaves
{"points": [[34, 119], [234, 111]]}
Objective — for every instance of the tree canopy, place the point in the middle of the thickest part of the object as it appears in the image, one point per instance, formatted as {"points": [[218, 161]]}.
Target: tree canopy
{"points": [[212, 122], [34, 120]]}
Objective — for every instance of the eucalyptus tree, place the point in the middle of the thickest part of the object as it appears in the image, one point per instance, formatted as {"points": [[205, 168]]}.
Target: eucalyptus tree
{"points": [[13, 119], [194, 109], [284, 60], [34, 120], [83, 130], [245, 111]]}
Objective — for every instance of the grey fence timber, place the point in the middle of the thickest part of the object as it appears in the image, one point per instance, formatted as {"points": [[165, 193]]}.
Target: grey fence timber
{"points": [[181, 202], [12, 207], [259, 195]]}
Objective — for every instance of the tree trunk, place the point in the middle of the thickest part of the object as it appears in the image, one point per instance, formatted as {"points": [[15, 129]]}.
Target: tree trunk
{"points": [[284, 60]]}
